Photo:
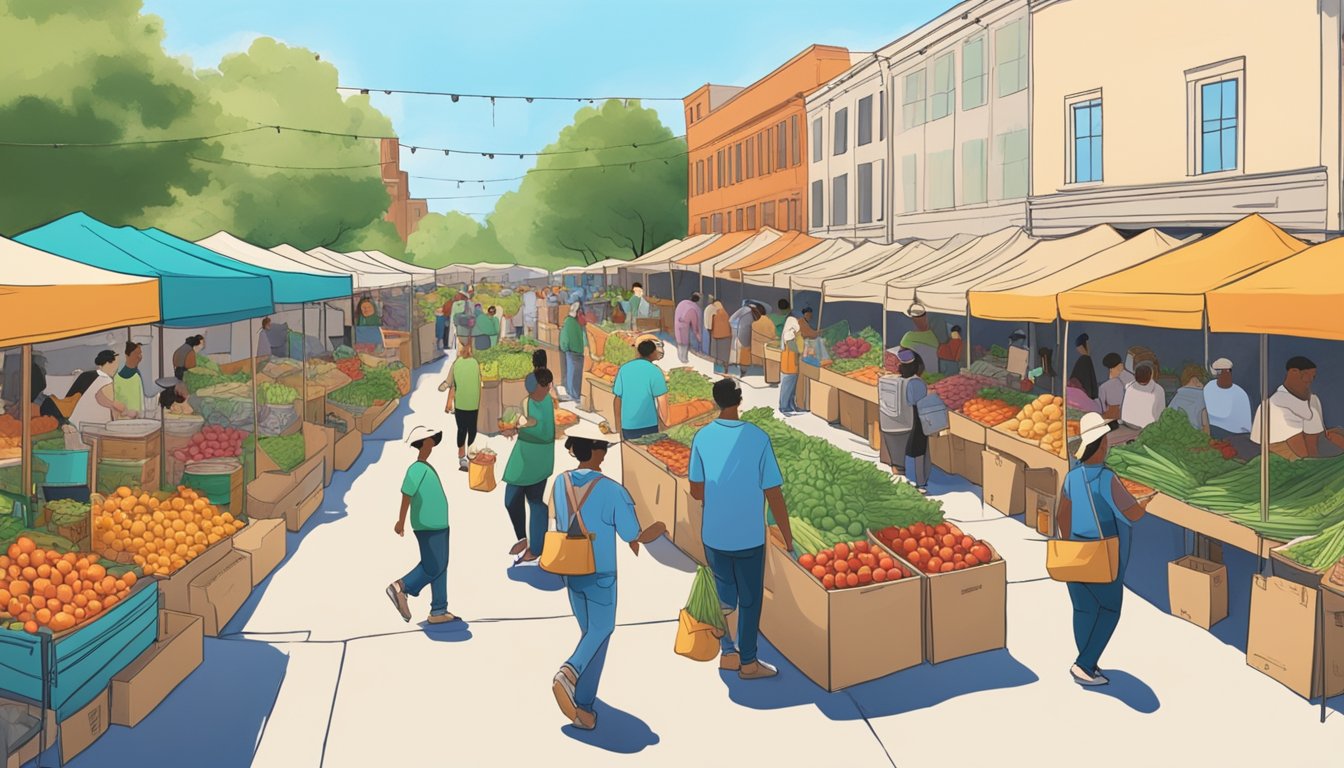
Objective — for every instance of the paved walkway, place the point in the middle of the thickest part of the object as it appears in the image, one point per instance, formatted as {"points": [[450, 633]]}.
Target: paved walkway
{"points": [[318, 670]]}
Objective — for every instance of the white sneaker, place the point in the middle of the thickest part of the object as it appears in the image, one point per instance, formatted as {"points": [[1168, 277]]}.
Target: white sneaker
{"points": [[1081, 677]]}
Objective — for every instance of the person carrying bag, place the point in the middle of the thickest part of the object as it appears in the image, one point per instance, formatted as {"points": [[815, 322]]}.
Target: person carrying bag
{"points": [[1089, 553], [570, 552]]}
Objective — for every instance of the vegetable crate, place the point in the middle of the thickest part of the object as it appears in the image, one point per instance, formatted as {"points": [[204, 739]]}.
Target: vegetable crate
{"points": [[840, 638]]}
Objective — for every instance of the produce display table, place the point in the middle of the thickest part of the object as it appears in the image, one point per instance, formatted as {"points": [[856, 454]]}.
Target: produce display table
{"points": [[548, 333], [426, 345], [399, 343], [1210, 524], [770, 355], [369, 419], [822, 399], [651, 485], [603, 399]]}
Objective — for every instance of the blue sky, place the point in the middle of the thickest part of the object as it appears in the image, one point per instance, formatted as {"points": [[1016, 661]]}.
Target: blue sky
{"points": [[579, 48]]}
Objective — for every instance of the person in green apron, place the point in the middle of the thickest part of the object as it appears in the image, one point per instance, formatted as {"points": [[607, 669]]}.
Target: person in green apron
{"points": [[530, 466], [128, 388]]}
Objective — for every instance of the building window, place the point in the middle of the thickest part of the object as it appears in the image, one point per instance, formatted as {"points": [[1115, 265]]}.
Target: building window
{"points": [[1010, 57], [709, 174], [841, 131], [973, 73], [974, 172], [769, 156], [795, 217], [1012, 152], [718, 223], [728, 174], [741, 218], [912, 100], [689, 116], [909, 183], [1217, 126], [880, 187], [762, 167], [699, 177], [751, 165], [1086, 146], [704, 225], [944, 94], [939, 172], [840, 200], [697, 111], [881, 115], [739, 161], [719, 177], [782, 145], [751, 217], [818, 205], [816, 139], [795, 145], [768, 214], [864, 126], [864, 192]]}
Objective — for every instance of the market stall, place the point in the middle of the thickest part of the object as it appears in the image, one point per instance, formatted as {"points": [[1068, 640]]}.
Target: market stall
{"points": [[654, 272], [425, 332], [384, 310], [695, 271]]}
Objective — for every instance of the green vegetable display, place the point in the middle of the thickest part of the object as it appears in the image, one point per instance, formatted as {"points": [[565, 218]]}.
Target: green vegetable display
{"points": [[685, 385], [278, 394], [1014, 397], [1172, 438], [1319, 552], [870, 358], [67, 511], [685, 433], [997, 351], [50, 444], [376, 386], [511, 360], [342, 352], [618, 351], [287, 451], [703, 604], [200, 377], [10, 528]]}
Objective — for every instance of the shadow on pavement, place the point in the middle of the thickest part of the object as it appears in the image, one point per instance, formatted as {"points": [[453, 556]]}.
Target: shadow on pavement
{"points": [[1129, 689], [617, 731], [453, 632], [536, 578], [230, 697], [917, 688], [665, 553]]}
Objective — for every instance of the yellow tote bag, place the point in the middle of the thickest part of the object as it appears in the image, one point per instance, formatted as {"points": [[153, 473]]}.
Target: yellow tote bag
{"points": [[570, 553], [1081, 561], [695, 639]]}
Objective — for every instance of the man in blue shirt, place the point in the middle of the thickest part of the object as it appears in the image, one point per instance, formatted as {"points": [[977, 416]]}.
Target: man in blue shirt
{"points": [[641, 392], [734, 474], [605, 511]]}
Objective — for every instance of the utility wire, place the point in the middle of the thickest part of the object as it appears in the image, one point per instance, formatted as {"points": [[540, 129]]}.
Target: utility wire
{"points": [[630, 165], [499, 97]]}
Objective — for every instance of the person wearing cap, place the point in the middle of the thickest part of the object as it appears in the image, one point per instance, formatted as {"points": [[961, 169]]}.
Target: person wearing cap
{"points": [[686, 326], [1189, 399], [423, 497], [530, 465], [1083, 370], [463, 385], [922, 340], [950, 352], [1296, 421], [573, 340], [741, 323], [1144, 399], [607, 511], [734, 473], [1227, 404], [1111, 393], [641, 391], [898, 419], [720, 336], [1094, 504]]}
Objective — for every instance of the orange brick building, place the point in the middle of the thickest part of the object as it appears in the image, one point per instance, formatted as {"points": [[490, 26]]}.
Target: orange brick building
{"points": [[405, 212], [748, 147]]}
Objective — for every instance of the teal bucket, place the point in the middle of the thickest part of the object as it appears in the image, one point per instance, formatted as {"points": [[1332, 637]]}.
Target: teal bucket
{"points": [[65, 467], [212, 479]]}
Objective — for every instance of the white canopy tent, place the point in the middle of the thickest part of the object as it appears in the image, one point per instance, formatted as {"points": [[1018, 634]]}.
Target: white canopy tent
{"points": [[777, 275], [657, 259], [975, 261], [379, 260], [852, 277], [508, 273]]}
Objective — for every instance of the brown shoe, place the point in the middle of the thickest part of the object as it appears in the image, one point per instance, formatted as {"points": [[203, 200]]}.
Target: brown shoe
{"points": [[563, 688], [441, 618], [518, 548], [757, 670], [730, 662], [396, 592], [585, 720]]}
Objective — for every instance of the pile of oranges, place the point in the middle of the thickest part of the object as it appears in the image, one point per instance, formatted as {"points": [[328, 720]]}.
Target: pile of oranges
{"points": [[47, 588], [160, 533]]}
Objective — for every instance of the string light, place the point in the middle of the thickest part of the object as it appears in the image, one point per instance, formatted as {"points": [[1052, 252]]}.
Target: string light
{"points": [[455, 96]]}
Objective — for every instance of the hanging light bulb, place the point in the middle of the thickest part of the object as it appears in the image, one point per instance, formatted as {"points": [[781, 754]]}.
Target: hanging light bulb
{"points": [[413, 150], [455, 97], [389, 93], [529, 99], [520, 157], [364, 91], [445, 153]]}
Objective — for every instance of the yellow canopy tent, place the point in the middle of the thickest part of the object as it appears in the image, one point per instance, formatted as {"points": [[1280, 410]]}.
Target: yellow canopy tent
{"points": [[1297, 296], [1168, 291]]}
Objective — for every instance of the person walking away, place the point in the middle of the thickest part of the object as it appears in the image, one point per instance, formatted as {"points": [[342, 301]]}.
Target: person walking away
{"points": [[422, 495], [1144, 399], [1083, 370], [455, 314], [720, 336], [530, 465], [1227, 404], [573, 341], [1189, 399], [264, 340], [641, 391], [898, 419], [604, 510], [97, 401], [706, 323], [463, 385], [486, 332], [922, 341], [1095, 505], [686, 326], [128, 388], [733, 471], [1296, 420], [740, 323], [950, 352], [1111, 393], [184, 357]]}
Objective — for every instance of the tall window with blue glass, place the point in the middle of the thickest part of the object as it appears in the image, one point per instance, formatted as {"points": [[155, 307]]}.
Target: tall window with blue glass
{"points": [[1087, 141], [1218, 126]]}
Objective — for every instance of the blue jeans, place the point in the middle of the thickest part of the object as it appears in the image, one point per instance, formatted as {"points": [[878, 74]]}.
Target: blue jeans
{"points": [[593, 599], [535, 498], [704, 340], [1096, 613], [574, 374], [740, 580], [635, 434], [431, 571], [788, 388]]}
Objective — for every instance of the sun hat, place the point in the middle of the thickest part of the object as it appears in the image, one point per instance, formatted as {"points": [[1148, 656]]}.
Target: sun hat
{"points": [[1091, 428], [420, 433], [905, 355], [1221, 364], [917, 310], [587, 430]]}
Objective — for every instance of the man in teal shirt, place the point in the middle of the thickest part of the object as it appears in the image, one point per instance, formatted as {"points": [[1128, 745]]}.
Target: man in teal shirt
{"points": [[572, 342], [641, 392], [422, 495]]}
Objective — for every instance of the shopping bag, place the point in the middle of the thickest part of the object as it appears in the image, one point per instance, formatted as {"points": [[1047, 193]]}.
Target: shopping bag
{"points": [[696, 640], [1085, 561], [481, 476], [570, 553]]}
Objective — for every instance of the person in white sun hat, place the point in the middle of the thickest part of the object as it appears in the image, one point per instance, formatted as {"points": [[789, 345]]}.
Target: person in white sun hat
{"points": [[422, 495], [1090, 486]]}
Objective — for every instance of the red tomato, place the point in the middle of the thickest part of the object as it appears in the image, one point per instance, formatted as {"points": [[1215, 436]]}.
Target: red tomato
{"points": [[946, 553], [947, 567], [967, 542], [903, 533], [842, 551], [807, 561], [910, 545], [880, 575], [852, 579], [861, 546], [819, 571], [948, 540], [866, 578], [972, 560], [841, 566], [959, 566], [981, 552], [828, 581], [933, 565], [940, 529], [886, 563], [823, 557]]}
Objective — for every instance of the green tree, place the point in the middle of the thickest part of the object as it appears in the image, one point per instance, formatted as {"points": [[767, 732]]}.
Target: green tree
{"points": [[378, 235], [438, 238], [565, 213]]}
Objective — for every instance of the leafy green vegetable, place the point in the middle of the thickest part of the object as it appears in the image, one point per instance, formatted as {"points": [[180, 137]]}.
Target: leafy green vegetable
{"points": [[703, 604], [1321, 551], [685, 385], [376, 386], [278, 394], [67, 511], [1014, 397], [287, 451], [618, 351]]}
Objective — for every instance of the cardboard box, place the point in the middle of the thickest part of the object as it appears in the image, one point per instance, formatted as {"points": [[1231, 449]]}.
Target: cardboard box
{"points": [[111, 446], [689, 530], [347, 450], [940, 452], [586, 388], [965, 427], [113, 472], [315, 404], [1040, 500], [491, 408], [966, 612], [651, 485], [175, 590], [1285, 639], [80, 730], [853, 414], [139, 688], [370, 419], [1004, 482], [604, 402], [824, 400], [218, 593], [512, 392], [968, 460], [264, 542], [548, 333], [294, 496], [829, 635], [22, 721], [1197, 590], [314, 449]]}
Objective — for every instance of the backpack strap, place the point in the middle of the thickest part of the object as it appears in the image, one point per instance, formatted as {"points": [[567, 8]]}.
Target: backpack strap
{"points": [[576, 500]]}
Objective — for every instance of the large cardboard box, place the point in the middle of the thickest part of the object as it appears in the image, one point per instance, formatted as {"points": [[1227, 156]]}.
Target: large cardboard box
{"points": [[853, 414], [368, 421], [604, 402], [966, 612], [1040, 499], [968, 460], [689, 530], [175, 590], [1288, 640], [218, 593], [964, 426], [348, 448], [80, 730], [143, 685], [264, 542], [840, 638], [1004, 482], [1197, 590], [548, 333], [294, 496], [651, 485], [329, 434], [940, 451], [315, 442], [823, 400], [22, 722]]}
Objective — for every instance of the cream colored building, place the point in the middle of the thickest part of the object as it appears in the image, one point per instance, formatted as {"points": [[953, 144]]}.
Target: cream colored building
{"points": [[1186, 114], [928, 137]]}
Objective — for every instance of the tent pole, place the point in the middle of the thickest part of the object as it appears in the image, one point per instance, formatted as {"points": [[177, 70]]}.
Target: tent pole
{"points": [[1264, 428], [26, 425], [303, 354], [966, 334], [1064, 364], [256, 419]]}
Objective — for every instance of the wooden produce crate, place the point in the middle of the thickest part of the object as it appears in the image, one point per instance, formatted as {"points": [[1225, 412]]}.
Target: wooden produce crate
{"points": [[603, 400], [651, 485]]}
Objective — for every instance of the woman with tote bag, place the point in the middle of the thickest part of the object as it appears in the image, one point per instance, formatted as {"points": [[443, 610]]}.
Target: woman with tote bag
{"points": [[1092, 549]]}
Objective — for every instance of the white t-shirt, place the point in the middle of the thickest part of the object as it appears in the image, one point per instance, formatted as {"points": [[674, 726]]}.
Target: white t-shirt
{"points": [[790, 331], [1143, 404], [88, 410], [1229, 409], [1289, 417], [1112, 391]]}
